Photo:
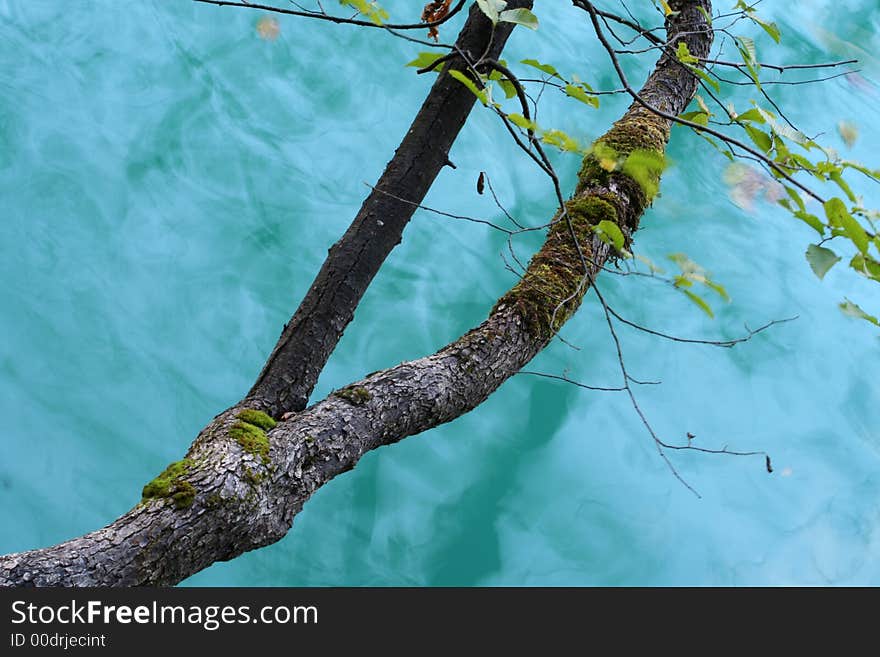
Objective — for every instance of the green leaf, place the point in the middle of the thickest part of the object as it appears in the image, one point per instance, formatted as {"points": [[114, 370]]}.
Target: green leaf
{"points": [[684, 54], [705, 280], [466, 81], [714, 144], [770, 28], [702, 104], [861, 168], [425, 59], [786, 131], [866, 266], [793, 194], [749, 11], [747, 48], [705, 15], [522, 122], [492, 9], [717, 288], [522, 17], [705, 77], [851, 309], [684, 263], [749, 56], [821, 259], [561, 140], [508, 87], [699, 117], [697, 299], [544, 68], [811, 220], [369, 9], [578, 93], [762, 139], [840, 217], [840, 182], [610, 233], [667, 10], [650, 263], [645, 167], [751, 115]]}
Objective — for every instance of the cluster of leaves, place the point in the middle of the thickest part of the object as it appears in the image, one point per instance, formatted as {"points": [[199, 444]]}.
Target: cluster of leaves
{"points": [[789, 155], [643, 166], [482, 85], [497, 12], [795, 162], [689, 275]]}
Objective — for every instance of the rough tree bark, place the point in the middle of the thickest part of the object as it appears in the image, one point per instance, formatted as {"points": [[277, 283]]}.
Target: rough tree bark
{"points": [[309, 338], [246, 476]]}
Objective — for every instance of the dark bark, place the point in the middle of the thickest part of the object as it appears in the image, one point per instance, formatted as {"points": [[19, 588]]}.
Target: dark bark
{"points": [[309, 338], [228, 500]]}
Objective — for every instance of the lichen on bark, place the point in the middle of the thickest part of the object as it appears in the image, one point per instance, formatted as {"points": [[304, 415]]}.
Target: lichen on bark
{"points": [[354, 395]]}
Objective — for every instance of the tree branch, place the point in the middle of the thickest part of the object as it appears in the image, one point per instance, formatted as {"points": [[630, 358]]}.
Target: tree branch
{"points": [[339, 20], [246, 477], [312, 334]]}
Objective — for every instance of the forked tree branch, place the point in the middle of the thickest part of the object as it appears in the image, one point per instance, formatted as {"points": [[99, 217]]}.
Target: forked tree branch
{"points": [[312, 334], [246, 477]]}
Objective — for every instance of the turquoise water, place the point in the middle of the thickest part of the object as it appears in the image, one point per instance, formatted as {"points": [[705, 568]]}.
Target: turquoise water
{"points": [[169, 185]]}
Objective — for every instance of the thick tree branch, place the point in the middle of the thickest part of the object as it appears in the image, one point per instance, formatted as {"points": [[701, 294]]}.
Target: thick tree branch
{"points": [[311, 335], [240, 487]]}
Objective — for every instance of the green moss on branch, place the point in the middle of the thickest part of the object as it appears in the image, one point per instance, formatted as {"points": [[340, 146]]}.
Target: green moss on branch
{"points": [[629, 157], [617, 181], [252, 439], [250, 432], [354, 395], [171, 484], [257, 418], [554, 283]]}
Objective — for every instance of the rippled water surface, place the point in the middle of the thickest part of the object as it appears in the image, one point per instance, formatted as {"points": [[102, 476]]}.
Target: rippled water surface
{"points": [[169, 185]]}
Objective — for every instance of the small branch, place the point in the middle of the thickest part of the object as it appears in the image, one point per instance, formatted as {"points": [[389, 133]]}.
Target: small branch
{"points": [[778, 67], [461, 217], [631, 24], [320, 15], [574, 383], [727, 344]]}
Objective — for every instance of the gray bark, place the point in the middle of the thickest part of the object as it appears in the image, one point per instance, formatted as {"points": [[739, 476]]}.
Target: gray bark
{"points": [[243, 501], [312, 334]]}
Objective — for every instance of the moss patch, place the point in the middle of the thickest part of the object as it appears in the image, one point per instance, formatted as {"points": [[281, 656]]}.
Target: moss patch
{"points": [[184, 495], [250, 432], [171, 484], [257, 418], [632, 151], [251, 438], [214, 500], [253, 478], [553, 285], [638, 129], [616, 182], [354, 395]]}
